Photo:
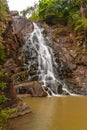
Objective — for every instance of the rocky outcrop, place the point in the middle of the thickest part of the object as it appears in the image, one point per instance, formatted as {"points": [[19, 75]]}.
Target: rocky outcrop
{"points": [[21, 25], [13, 36], [71, 56], [32, 88], [21, 109]]}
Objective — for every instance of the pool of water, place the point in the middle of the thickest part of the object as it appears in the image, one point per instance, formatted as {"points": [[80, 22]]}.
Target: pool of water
{"points": [[54, 113]]}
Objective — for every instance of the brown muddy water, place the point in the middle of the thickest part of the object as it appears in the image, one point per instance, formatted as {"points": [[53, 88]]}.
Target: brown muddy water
{"points": [[54, 113]]}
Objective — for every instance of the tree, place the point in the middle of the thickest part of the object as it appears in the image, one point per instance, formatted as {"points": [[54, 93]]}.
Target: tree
{"points": [[27, 11]]}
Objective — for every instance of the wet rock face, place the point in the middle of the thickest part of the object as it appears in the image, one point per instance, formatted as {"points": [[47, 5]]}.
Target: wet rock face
{"points": [[29, 58], [33, 88]]}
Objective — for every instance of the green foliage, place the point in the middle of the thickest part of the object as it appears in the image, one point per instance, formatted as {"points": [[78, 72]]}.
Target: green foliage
{"points": [[34, 13], [49, 10], [79, 37], [80, 1], [53, 10], [27, 11], [3, 99], [43, 6], [2, 29], [2, 54], [4, 113], [3, 10], [81, 29], [2, 73], [4, 116], [34, 16], [66, 12], [30, 11], [81, 25], [4, 17], [2, 86]]}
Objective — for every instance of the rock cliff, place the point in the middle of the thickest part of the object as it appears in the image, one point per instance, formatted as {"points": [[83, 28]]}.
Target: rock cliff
{"points": [[71, 54]]}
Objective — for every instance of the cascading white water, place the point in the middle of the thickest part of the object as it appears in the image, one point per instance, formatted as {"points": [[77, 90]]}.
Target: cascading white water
{"points": [[45, 59], [45, 68], [46, 62]]}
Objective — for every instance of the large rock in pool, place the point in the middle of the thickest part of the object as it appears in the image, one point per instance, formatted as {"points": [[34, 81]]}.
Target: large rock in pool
{"points": [[33, 88]]}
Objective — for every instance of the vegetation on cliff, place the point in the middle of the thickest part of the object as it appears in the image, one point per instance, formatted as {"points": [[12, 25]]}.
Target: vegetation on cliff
{"points": [[4, 17], [67, 12]]}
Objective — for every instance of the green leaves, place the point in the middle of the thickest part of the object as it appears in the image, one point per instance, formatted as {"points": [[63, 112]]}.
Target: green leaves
{"points": [[3, 99], [2, 54], [81, 24], [68, 11], [27, 11], [3, 10], [4, 115], [2, 86], [43, 5], [48, 10], [55, 9]]}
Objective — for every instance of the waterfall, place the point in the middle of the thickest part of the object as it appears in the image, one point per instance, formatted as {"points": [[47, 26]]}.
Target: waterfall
{"points": [[47, 67]]}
